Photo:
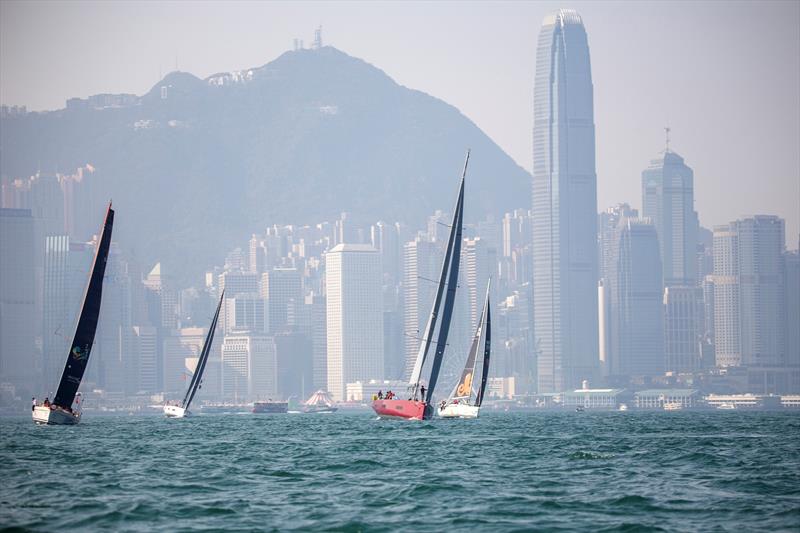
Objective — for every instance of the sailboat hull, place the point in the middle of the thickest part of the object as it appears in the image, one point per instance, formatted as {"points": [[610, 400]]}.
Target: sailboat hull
{"points": [[407, 409], [459, 410], [55, 417], [173, 411]]}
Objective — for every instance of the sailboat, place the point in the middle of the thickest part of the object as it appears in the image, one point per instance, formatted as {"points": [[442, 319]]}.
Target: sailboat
{"points": [[460, 404], [418, 405], [182, 410], [60, 411]]}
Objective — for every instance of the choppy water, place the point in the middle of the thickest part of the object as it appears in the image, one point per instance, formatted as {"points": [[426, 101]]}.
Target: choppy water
{"points": [[504, 472]]}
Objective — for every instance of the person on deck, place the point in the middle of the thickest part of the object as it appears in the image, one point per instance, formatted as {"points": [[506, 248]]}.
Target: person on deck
{"points": [[33, 404], [46, 402], [380, 394], [422, 390]]}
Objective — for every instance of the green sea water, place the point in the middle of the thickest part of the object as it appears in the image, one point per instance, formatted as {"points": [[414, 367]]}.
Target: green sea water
{"points": [[543, 471]]}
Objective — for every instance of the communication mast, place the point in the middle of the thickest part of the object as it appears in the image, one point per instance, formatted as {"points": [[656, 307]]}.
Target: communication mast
{"points": [[317, 38]]}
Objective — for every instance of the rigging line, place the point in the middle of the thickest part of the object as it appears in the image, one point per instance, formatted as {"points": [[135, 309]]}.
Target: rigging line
{"points": [[419, 338], [434, 281]]}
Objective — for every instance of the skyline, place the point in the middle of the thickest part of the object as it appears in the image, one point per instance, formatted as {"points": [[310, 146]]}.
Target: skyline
{"points": [[749, 102]]}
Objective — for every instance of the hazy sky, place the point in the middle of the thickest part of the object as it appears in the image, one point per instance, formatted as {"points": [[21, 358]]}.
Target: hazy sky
{"points": [[725, 76]]}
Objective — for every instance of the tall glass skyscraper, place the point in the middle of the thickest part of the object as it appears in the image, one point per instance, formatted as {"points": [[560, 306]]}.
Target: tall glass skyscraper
{"points": [[668, 199], [564, 206]]}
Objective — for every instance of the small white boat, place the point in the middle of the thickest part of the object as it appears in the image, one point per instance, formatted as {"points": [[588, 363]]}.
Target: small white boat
{"points": [[673, 406], [182, 410], [55, 416], [726, 406], [175, 411], [623, 407], [460, 404]]}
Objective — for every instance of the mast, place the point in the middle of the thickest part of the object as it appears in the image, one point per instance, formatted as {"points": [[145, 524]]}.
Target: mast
{"points": [[487, 348], [431, 324], [452, 283], [201, 362], [82, 343]]}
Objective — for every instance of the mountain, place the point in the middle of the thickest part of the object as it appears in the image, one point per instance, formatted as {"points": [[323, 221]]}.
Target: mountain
{"points": [[195, 166]]}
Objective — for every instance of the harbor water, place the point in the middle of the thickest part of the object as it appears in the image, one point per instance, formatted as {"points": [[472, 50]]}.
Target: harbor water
{"points": [[676, 471]]}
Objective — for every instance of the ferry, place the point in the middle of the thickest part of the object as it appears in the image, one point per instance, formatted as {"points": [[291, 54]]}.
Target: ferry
{"points": [[270, 407]]}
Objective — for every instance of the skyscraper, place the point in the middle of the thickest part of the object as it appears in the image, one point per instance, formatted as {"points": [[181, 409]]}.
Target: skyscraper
{"points": [[66, 267], [668, 200], [749, 305], [564, 206], [354, 316], [422, 260], [636, 285], [18, 359], [282, 287]]}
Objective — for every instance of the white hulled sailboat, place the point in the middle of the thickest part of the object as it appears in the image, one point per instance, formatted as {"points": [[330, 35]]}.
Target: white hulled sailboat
{"points": [[182, 410], [460, 404], [60, 411]]}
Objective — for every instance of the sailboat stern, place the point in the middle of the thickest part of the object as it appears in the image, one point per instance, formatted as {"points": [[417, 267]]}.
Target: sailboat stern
{"points": [[54, 416]]}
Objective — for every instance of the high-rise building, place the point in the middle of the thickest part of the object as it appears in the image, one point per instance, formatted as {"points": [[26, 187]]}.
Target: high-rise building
{"points": [[791, 261], [386, 239], [564, 206], [480, 264], [635, 291], [145, 345], [249, 367], [283, 289], [318, 330], [354, 316], [668, 200], [246, 313], [608, 223], [749, 298], [422, 261], [83, 209], [18, 356], [257, 255], [516, 231], [66, 271], [682, 319]]}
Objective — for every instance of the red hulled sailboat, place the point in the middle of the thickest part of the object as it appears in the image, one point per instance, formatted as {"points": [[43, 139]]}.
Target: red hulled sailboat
{"points": [[418, 406]]}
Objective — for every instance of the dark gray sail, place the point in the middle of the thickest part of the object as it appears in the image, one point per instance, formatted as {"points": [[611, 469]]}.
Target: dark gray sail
{"points": [[487, 348], [197, 377], [82, 343], [454, 250]]}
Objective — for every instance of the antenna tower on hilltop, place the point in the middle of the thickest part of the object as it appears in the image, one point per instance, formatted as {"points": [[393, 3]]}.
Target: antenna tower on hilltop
{"points": [[317, 38]]}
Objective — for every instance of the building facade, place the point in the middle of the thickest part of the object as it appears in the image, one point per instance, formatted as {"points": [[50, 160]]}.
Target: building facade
{"points": [[354, 316], [564, 206], [749, 297]]}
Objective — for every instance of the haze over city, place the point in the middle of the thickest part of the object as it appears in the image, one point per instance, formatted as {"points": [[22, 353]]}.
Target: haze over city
{"points": [[409, 266], [725, 80]]}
